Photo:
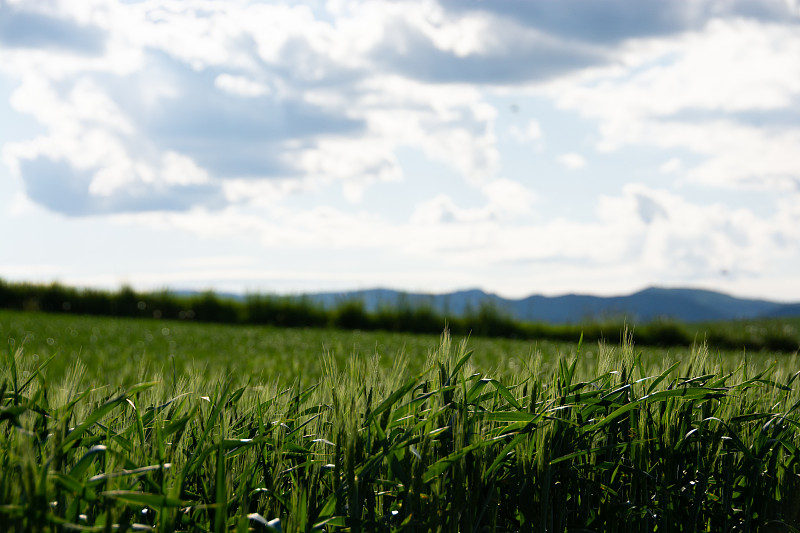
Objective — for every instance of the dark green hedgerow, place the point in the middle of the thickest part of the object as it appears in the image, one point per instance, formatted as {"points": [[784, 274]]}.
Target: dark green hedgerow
{"points": [[681, 448]]}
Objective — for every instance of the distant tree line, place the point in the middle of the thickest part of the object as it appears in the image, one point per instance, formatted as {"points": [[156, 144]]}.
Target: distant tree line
{"points": [[298, 311]]}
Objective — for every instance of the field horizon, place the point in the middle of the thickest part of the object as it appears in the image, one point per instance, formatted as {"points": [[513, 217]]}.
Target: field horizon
{"points": [[479, 318]]}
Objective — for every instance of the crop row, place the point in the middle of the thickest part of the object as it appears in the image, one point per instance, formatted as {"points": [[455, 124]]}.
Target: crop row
{"points": [[681, 448]]}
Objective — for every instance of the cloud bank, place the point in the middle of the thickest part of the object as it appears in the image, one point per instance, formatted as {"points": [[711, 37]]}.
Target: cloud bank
{"points": [[215, 117]]}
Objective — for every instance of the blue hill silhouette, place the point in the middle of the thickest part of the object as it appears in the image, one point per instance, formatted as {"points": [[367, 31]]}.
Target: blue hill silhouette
{"points": [[687, 305]]}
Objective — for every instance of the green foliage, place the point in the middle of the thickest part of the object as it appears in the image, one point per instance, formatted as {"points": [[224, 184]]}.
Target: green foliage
{"points": [[617, 440], [286, 312]]}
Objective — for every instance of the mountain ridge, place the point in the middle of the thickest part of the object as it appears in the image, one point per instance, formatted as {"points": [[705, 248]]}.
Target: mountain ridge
{"points": [[652, 303]]}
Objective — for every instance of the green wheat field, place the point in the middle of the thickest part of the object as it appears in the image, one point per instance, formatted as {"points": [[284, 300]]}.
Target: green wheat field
{"points": [[142, 424]]}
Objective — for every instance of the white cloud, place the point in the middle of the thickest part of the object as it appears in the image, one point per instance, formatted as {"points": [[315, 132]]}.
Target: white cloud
{"points": [[652, 232], [85, 104], [509, 197], [505, 200], [177, 169], [572, 161], [240, 85], [355, 165], [672, 166], [533, 132], [450, 124], [719, 92], [216, 261], [313, 106]]}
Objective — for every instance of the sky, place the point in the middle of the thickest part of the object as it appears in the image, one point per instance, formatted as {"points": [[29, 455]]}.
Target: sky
{"points": [[520, 147]]}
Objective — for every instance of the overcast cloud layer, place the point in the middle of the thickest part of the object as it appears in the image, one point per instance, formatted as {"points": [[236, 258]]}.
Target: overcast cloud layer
{"points": [[521, 147]]}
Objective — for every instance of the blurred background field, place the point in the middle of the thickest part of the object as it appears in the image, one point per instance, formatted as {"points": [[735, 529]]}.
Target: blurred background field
{"points": [[121, 350]]}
